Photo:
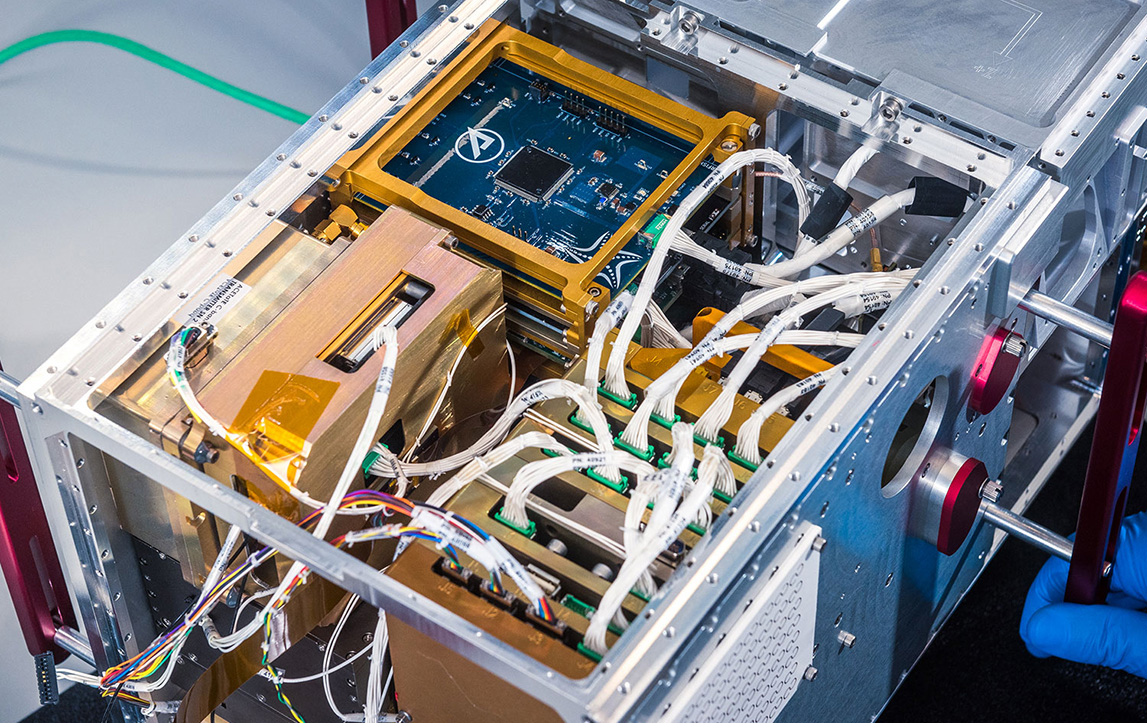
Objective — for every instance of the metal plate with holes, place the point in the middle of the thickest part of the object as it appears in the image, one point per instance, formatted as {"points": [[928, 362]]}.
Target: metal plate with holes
{"points": [[1019, 61], [762, 659]]}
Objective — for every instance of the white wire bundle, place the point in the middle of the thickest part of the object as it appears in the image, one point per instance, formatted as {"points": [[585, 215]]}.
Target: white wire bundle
{"points": [[715, 471], [844, 234], [632, 532], [663, 403], [352, 603], [308, 678], [227, 643], [216, 572], [533, 474], [852, 166], [709, 424], [176, 359], [385, 336], [609, 318], [774, 275], [615, 369], [500, 454], [674, 477], [704, 516], [663, 488], [749, 435], [653, 543], [662, 333], [756, 303], [753, 274], [374, 687], [661, 394], [450, 381], [588, 410]]}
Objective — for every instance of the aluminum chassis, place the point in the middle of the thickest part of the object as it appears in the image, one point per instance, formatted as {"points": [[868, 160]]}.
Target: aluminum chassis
{"points": [[820, 472]]}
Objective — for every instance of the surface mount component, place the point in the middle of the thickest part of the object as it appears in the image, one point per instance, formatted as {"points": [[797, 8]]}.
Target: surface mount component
{"points": [[510, 145], [495, 189], [533, 174]]}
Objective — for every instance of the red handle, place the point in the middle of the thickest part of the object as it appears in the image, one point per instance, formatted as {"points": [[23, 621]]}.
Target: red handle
{"points": [[27, 553], [386, 20], [1117, 430]]}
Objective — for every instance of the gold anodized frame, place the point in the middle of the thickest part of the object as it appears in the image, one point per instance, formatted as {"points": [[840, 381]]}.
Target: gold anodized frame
{"points": [[361, 170]]}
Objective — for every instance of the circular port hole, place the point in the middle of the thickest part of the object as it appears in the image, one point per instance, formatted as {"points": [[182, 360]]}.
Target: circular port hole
{"points": [[914, 437]]}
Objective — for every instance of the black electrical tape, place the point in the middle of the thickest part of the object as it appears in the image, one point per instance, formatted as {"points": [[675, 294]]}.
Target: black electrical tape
{"points": [[935, 197], [826, 214]]}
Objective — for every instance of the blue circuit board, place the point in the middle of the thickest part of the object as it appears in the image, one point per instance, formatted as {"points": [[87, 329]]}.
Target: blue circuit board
{"points": [[547, 165]]}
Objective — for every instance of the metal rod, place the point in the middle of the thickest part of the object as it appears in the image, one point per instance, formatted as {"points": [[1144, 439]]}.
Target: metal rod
{"points": [[8, 390], [1026, 530], [1068, 317], [1030, 532], [70, 640]]}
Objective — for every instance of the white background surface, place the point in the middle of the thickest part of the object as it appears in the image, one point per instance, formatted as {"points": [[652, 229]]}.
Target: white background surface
{"points": [[105, 160]]}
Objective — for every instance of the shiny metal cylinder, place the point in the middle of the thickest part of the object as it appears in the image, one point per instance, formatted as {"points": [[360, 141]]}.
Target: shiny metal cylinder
{"points": [[8, 390], [1028, 531], [72, 641], [1068, 317]]}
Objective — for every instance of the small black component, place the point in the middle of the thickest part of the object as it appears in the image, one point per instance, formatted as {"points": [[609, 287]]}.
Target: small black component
{"points": [[827, 212], [707, 215], [557, 628], [935, 197], [46, 679], [206, 453], [481, 212], [574, 106], [455, 572], [504, 600], [607, 190], [540, 89], [612, 121], [533, 173]]}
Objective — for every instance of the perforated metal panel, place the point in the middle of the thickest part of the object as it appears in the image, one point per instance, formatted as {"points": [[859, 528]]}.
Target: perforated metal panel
{"points": [[757, 667]]}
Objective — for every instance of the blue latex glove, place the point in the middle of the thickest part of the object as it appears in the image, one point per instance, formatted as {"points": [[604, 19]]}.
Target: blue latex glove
{"points": [[1114, 634]]}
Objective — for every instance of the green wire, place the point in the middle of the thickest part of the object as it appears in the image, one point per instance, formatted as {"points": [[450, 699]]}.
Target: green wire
{"points": [[154, 56]]}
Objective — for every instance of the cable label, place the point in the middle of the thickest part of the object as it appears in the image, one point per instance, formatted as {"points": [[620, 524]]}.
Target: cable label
{"points": [[385, 379], [809, 383], [591, 459], [533, 396], [861, 222], [619, 308], [875, 300], [705, 350], [735, 270], [178, 356], [212, 302]]}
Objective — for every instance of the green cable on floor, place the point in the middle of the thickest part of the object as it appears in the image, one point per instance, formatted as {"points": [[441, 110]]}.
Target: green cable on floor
{"points": [[153, 56]]}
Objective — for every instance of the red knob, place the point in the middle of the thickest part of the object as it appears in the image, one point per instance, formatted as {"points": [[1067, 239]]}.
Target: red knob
{"points": [[996, 367], [961, 506]]}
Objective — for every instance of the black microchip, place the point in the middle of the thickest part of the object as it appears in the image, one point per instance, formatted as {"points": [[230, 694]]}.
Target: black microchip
{"points": [[607, 190], [533, 173]]}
